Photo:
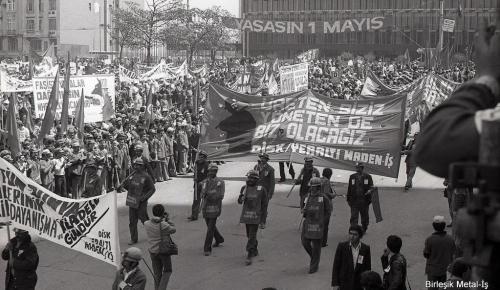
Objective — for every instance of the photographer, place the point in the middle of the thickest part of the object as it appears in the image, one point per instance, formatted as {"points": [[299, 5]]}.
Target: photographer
{"points": [[159, 228], [451, 131]]}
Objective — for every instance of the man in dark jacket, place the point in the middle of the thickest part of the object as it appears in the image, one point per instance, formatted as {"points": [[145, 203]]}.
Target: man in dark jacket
{"points": [[351, 259], [212, 194], [201, 171], [394, 265], [22, 264], [140, 188], [328, 191], [130, 277], [411, 165], [359, 196], [266, 179], [438, 251]]}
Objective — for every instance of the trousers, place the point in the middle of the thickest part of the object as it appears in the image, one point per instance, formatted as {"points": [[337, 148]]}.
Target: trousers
{"points": [[162, 269], [195, 207], [212, 233], [252, 240], [134, 215], [313, 249], [291, 171], [410, 173], [326, 223], [60, 185], [356, 211]]}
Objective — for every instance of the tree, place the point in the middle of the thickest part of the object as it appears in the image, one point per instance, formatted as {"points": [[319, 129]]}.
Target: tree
{"points": [[126, 33], [199, 29], [150, 21]]}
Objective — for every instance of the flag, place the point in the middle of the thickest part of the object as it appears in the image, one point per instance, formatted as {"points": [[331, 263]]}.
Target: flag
{"points": [[80, 116], [273, 86], [50, 111], [50, 52], [407, 55], [65, 104], [29, 119], [148, 115], [11, 128]]}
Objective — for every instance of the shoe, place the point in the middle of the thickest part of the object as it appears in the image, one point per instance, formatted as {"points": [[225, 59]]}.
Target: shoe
{"points": [[406, 188], [312, 271], [217, 244], [449, 225], [281, 180], [132, 243], [248, 261], [192, 218], [324, 245], [263, 226], [207, 253]]}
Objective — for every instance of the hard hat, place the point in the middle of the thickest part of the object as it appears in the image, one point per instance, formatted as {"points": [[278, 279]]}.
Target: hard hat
{"points": [[138, 147], [315, 181], [133, 254], [264, 155], [202, 153], [213, 167], [253, 174], [308, 159]]}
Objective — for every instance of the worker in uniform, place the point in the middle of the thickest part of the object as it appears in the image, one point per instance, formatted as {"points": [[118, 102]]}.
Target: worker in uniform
{"points": [[308, 172], [212, 193], [328, 191], [140, 188], [139, 153], [75, 169], [266, 179], [316, 207], [254, 199], [201, 171], [359, 195]]}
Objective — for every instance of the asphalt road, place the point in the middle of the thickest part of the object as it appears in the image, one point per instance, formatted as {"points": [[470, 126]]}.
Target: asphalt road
{"points": [[282, 263]]}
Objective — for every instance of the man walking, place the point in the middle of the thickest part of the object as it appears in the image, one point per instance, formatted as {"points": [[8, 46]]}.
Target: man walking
{"points": [[266, 179], [140, 188], [308, 172], [317, 207], [411, 164], [291, 171], [438, 251], [351, 259], [201, 171], [359, 196], [328, 192], [254, 200], [212, 193]]}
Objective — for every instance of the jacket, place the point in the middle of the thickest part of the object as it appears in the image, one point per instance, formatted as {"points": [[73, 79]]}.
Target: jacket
{"points": [[266, 178], [394, 272], [439, 250], [212, 193], [135, 281], [254, 200], [46, 172], [449, 133], [352, 189], [155, 236], [25, 264], [304, 178], [140, 188], [344, 274]]}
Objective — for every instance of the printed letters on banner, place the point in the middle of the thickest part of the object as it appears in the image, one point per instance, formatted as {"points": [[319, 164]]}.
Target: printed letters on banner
{"points": [[336, 133], [99, 93], [294, 78], [88, 226]]}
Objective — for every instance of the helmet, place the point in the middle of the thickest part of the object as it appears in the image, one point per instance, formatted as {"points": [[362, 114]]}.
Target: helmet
{"points": [[202, 153], [253, 174], [359, 164], [315, 181], [213, 167], [264, 155], [133, 254], [308, 159], [138, 147]]}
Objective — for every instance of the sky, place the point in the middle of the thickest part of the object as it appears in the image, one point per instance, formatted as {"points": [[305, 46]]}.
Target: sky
{"points": [[230, 5]]}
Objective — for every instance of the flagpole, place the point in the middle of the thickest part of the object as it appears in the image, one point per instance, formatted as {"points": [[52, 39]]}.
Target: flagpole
{"points": [[441, 21]]}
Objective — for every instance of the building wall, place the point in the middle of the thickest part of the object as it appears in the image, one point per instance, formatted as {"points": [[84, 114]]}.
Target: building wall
{"points": [[415, 24]]}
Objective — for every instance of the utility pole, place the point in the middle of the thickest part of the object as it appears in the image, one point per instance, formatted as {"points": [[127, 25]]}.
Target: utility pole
{"points": [[106, 25]]}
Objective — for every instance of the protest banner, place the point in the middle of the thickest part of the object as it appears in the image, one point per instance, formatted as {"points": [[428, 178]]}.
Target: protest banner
{"points": [[88, 225], [9, 84], [294, 78], [374, 87], [99, 93], [309, 55], [160, 71], [336, 133], [127, 75]]}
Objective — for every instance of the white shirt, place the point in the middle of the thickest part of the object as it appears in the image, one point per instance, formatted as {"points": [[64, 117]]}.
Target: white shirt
{"points": [[355, 253], [23, 134]]}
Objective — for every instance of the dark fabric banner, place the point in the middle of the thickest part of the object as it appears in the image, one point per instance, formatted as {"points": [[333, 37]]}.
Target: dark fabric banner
{"points": [[336, 133]]}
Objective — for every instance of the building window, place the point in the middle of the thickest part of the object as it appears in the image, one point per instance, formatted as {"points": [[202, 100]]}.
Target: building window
{"points": [[1, 44], [10, 5], [11, 24], [36, 44], [52, 24], [12, 42], [40, 27], [30, 25], [52, 5], [40, 5], [30, 6]]}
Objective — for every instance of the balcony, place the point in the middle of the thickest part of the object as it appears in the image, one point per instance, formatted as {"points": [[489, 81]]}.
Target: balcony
{"points": [[11, 32]]}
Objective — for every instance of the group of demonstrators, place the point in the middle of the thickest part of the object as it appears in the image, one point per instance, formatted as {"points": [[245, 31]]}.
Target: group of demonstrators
{"points": [[154, 135]]}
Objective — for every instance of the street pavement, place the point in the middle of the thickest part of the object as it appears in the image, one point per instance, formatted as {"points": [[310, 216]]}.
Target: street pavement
{"points": [[282, 263]]}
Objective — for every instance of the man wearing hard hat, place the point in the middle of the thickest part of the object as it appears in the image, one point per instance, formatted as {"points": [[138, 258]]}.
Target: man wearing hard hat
{"points": [[130, 276]]}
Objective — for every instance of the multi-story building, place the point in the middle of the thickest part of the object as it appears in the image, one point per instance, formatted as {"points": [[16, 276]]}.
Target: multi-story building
{"points": [[408, 24], [71, 25]]}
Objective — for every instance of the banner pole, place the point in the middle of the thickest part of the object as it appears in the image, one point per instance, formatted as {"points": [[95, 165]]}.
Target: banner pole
{"points": [[115, 206]]}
